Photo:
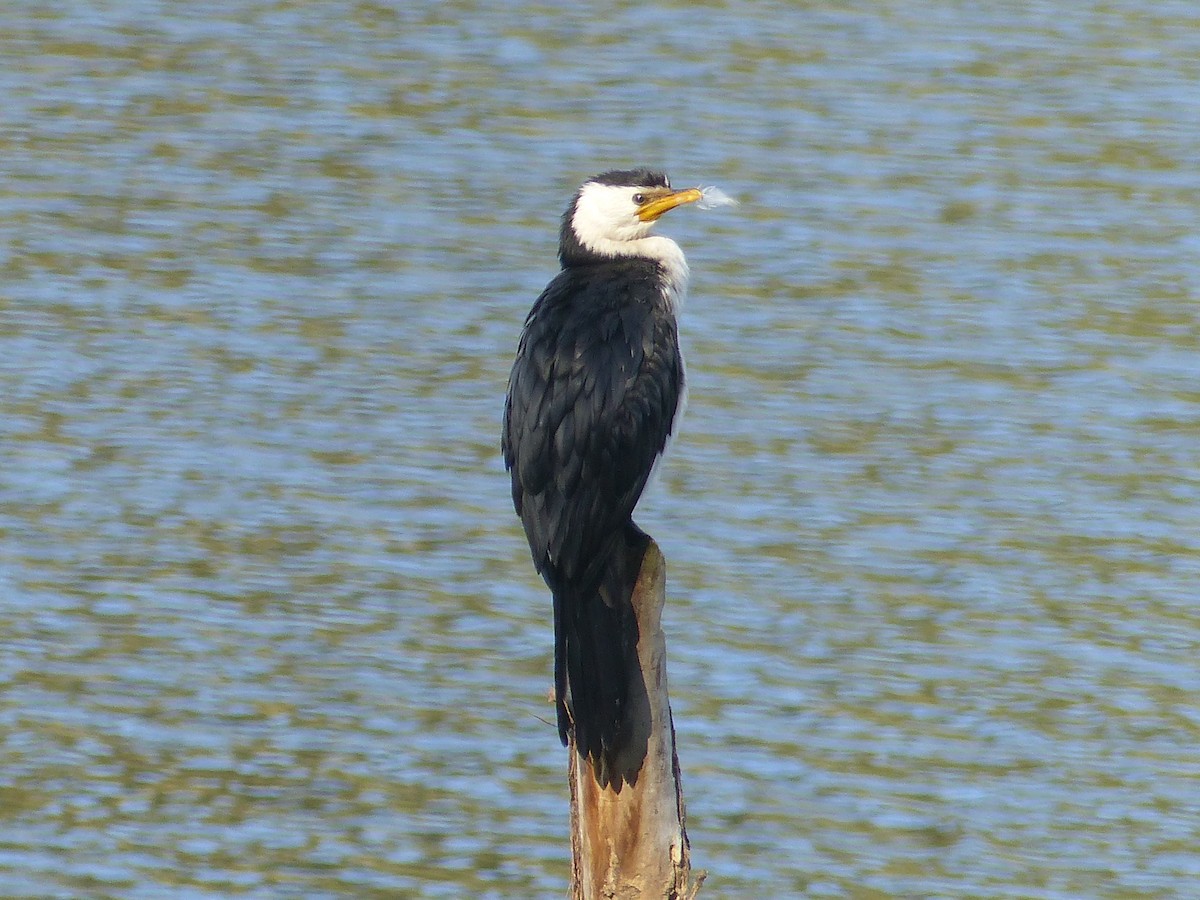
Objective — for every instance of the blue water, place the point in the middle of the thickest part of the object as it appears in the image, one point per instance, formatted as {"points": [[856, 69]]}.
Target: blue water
{"points": [[270, 627]]}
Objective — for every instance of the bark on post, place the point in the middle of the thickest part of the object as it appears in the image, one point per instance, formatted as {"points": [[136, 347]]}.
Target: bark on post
{"points": [[628, 838]]}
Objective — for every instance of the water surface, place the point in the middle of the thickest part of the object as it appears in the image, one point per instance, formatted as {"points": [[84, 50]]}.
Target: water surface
{"points": [[270, 627]]}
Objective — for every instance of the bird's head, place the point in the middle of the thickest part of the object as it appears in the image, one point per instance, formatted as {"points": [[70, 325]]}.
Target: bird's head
{"points": [[611, 213]]}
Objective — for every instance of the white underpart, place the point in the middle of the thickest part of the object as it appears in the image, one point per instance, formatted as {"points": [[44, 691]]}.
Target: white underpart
{"points": [[674, 432], [606, 221]]}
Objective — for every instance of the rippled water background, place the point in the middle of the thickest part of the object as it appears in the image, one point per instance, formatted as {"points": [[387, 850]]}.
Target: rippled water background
{"points": [[268, 625]]}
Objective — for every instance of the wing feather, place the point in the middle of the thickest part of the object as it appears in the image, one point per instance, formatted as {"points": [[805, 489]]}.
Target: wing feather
{"points": [[592, 401]]}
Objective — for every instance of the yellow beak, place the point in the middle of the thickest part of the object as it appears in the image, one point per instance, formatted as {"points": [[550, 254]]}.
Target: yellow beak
{"points": [[661, 200]]}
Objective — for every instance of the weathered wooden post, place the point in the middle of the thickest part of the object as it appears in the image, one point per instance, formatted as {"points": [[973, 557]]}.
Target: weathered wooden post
{"points": [[628, 836]]}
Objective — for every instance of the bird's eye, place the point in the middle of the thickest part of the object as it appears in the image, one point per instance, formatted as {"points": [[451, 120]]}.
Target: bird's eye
{"points": [[639, 199]]}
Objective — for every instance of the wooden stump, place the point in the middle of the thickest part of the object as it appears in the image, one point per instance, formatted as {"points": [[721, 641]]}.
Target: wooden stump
{"points": [[628, 838]]}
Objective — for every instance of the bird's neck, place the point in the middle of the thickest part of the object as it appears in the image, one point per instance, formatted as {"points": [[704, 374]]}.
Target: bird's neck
{"points": [[657, 249]]}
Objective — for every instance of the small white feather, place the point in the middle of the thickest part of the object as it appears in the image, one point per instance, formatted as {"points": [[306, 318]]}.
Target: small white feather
{"points": [[712, 197]]}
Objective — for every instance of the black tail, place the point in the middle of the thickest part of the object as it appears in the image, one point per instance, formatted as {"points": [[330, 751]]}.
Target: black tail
{"points": [[591, 653], [595, 652]]}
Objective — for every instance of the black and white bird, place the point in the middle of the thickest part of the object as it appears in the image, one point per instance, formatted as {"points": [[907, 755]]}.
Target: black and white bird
{"points": [[594, 395]]}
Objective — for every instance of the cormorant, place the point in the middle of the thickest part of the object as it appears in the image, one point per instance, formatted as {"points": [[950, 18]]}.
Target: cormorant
{"points": [[593, 397]]}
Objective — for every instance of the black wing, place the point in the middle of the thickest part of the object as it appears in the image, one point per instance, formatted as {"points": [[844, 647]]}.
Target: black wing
{"points": [[592, 400]]}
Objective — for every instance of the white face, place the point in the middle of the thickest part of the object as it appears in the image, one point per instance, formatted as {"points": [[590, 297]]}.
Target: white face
{"points": [[606, 213]]}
